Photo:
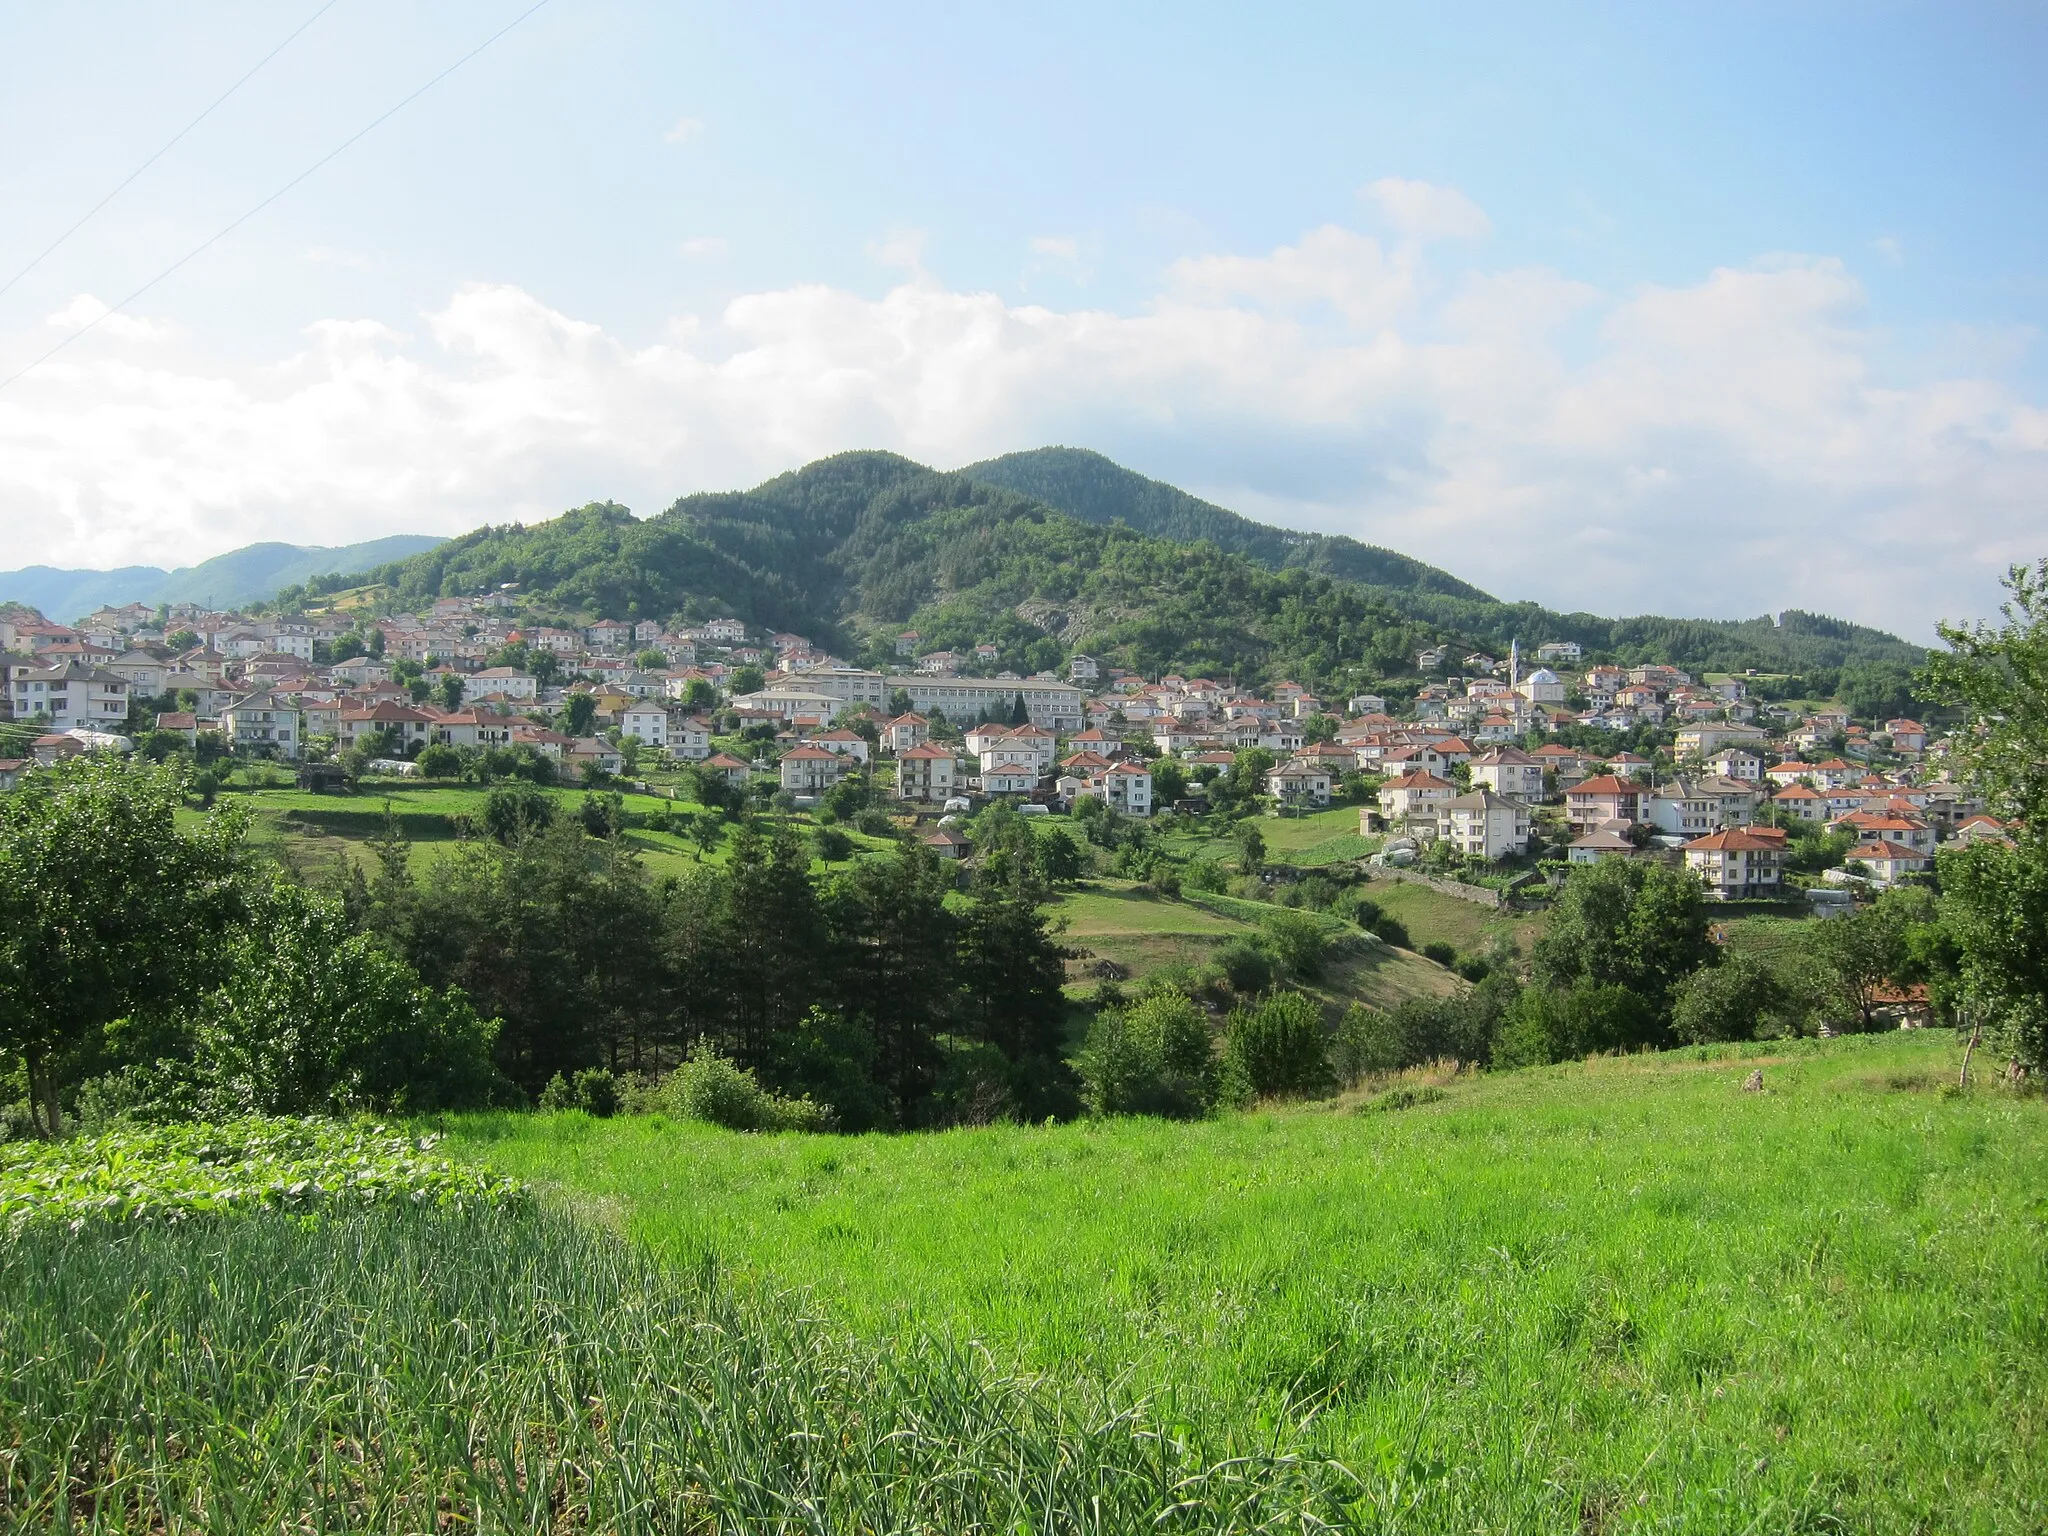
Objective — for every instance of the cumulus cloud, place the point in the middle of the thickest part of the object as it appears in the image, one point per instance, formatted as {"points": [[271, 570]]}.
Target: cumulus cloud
{"points": [[703, 245], [686, 130], [1056, 247], [1422, 210], [1727, 447], [85, 311]]}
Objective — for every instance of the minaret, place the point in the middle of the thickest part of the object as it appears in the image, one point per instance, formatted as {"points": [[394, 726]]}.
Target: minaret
{"points": [[1514, 664]]}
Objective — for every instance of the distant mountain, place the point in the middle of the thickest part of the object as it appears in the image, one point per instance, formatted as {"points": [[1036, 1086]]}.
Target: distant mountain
{"points": [[245, 575], [1086, 485], [1074, 552]]}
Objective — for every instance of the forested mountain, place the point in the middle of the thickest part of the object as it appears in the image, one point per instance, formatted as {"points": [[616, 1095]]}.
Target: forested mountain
{"points": [[1099, 490], [1074, 554]]}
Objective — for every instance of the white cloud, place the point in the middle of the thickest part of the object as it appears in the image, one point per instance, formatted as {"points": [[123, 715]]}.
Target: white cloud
{"points": [[86, 310], [1727, 447], [1893, 253], [1422, 210], [703, 245], [1056, 247], [687, 130]]}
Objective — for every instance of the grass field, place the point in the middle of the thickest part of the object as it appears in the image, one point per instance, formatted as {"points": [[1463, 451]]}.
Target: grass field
{"points": [[1143, 932], [1621, 1295], [1432, 917]]}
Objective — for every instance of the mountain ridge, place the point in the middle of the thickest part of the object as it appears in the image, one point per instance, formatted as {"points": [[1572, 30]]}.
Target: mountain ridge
{"points": [[246, 575]]}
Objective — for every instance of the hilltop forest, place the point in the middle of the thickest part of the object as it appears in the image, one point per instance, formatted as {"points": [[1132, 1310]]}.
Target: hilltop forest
{"points": [[1053, 551]]}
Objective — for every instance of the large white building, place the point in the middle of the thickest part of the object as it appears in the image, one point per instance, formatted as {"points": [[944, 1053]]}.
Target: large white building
{"points": [[73, 695], [1052, 705]]}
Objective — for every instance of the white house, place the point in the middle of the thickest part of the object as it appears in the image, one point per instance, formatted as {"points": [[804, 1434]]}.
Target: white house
{"points": [[1736, 863], [1484, 825], [850, 744], [74, 695], [1414, 794], [688, 738], [926, 772], [812, 770], [1737, 763], [1128, 787], [1083, 669], [905, 732], [261, 722], [1559, 650], [508, 681], [1299, 783], [1509, 771], [1542, 686], [648, 722]]}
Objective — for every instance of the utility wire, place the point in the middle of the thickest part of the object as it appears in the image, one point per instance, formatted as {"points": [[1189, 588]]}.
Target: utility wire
{"points": [[168, 147], [223, 233]]}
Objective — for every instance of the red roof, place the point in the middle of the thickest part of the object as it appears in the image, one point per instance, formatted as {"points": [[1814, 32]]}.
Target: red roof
{"points": [[1607, 784], [928, 750], [1734, 840], [1420, 779]]}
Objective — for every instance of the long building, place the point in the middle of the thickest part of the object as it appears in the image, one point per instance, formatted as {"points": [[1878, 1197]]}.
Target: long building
{"points": [[1054, 705]]}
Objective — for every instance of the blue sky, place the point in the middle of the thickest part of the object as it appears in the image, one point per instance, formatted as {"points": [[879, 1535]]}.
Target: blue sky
{"points": [[1712, 310]]}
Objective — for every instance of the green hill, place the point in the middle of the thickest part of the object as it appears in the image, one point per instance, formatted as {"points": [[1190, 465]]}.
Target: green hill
{"points": [[1073, 553], [245, 575]]}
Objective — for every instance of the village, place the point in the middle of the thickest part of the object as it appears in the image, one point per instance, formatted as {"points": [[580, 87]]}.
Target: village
{"points": [[1466, 769]]}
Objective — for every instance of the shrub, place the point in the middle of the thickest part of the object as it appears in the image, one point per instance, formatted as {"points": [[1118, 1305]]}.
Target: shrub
{"points": [[1563, 1023], [833, 845], [1366, 1042], [716, 1089], [1151, 1059], [596, 1092], [1739, 999], [1279, 1048], [875, 823], [1393, 930], [1247, 967], [1297, 939], [439, 762], [1443, 954]]}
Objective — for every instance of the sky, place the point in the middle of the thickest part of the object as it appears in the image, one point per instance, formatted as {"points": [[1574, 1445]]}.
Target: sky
{"points": [[1701, 310]]}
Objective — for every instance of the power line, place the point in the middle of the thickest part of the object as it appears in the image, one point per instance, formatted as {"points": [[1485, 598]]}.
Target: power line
{"points": [[223, 233], [168, 146]]}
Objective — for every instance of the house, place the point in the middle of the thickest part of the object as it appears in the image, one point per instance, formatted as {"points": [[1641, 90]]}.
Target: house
{"points": [[542, 741], [1299, 782], [1982, 829], [645, 722], [725, 631], [1509, 771], [1559, 650], [1083, 669], [1890, 862], [1484, 825], [1126, 786], [947, 843], [1704, 738], [587, 753], [729, 768], [905, 732], [1606, 798], [11, 770], [809, 770], [1682, 808], [1414, 795], [1599, 844], [1366, 704], [688, 738], [1737, 763], [926, 772], [1907, 736], [844, 742], [179, 722], [1887, 826], [1453, 750], [1737, 863], [72, 694], [414, 727], [261, 723]]}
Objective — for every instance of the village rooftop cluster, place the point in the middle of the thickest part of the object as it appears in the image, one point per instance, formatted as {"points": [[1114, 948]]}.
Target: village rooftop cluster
{"points": [[1470, 761]]}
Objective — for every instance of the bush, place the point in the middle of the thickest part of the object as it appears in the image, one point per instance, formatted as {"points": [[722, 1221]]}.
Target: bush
{"points": [[1564, 1023], [716, 1089], [1279, 1048], [1151, 1059], [876, 823], [1739, 999], [596, 1092], [1297, 939], [1366, 1042], [1393, 930], [833, 845], [1247, 967], [1443, 954], [439, 762]]}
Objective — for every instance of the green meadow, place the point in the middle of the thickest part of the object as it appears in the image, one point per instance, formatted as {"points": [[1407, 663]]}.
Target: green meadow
{"points": [[1625, 1294]]}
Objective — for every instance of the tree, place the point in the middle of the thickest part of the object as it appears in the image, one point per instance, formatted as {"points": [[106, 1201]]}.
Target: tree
{"points": [[745, 680], [439, 762], [1626, 924], [1562, 1023], [1169, 781], [516, 811], [650, 661], [1251, 848], [108, 910], [1739, 999], [1060, 857], [1855, 958], [1279, 1047], [1995, 900], [699, 695], [1011, 972], [578, 710], [1155, 1058], [451, 691], [1998, 676], [1298, 940]]}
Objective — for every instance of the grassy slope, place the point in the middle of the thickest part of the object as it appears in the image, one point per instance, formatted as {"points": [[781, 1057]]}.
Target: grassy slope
{"points": [[1431, 916], [1698, 1306], [1144, 932]]}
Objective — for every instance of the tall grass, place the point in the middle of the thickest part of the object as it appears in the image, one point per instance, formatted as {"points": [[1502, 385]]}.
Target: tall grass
{"points": [[508, 1371], [1619, 1295]]}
